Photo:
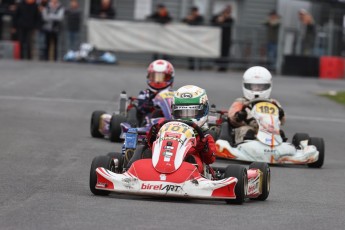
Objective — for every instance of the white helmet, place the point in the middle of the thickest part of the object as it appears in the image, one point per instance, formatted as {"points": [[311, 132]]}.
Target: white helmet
{"points": [[257, 83]]}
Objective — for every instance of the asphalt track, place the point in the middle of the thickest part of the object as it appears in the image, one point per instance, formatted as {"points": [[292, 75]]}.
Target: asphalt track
{"points": [[46, 151]]}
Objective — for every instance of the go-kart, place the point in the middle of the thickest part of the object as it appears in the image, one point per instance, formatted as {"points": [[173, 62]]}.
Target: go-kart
{"points": [[115, 125], [168, 173], [88, 53], [268, 145]]}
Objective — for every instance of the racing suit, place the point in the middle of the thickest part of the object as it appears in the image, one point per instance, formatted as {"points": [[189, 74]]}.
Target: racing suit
{"points": [[203, 152], [245, 126], [145, 104]]}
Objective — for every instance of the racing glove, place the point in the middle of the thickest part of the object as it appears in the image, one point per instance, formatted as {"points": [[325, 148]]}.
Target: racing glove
{"points": [[241, 115], [152, 134]]}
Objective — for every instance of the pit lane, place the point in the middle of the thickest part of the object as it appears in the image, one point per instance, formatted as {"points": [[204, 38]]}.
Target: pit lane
{"points": [[46, 152]]}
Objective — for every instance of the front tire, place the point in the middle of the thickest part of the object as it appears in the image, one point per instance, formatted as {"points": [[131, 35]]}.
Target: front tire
{"points": [[240, 172], [320, 146], [115, 127], [266, 182], [95, 124], [100, 161]]}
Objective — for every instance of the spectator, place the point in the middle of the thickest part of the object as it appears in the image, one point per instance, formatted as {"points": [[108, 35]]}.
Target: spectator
{"points": [[8, 8], [26, 20], [104, 11], [307, 32], [161, 15], [193, 18], [272, 23], [225, 21], [53, 15], [73, 16], [41, 35]]}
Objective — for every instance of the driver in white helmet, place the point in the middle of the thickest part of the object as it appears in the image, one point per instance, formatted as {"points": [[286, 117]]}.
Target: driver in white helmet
{"points": [[160, 77], [257, 83]]}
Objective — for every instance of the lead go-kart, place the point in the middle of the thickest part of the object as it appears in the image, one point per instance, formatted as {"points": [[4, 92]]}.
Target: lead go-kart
{"points": [[268, 145], [113, 126], [168, 173]]}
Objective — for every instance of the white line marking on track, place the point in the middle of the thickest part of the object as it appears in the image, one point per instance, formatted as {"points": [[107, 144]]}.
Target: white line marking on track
{"points": [[304, 118], [69, 100], [47, 99]]}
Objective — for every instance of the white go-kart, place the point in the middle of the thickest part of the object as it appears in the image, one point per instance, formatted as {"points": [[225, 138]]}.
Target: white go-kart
{"points": [[268, 146]]}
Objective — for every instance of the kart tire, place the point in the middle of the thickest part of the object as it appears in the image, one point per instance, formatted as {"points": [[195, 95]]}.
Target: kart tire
{"points": [[240, 172], [100, 161], [95, 123], [298, 137], [320, 146], [120, 158], [132, 117], [266, 174], [115, 127], [214, 132]]}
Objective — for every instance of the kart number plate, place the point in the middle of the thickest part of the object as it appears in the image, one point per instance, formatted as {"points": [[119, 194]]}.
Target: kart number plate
{"points": [[267, 108], [131, 140]]}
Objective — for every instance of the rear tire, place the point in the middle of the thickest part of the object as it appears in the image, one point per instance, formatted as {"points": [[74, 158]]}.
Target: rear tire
{"points": [[95, 123], [100, 161], [320, 146], [132, 117], [214, 132], [266, 174], [240, 172], [298, 137], [115, 127]]}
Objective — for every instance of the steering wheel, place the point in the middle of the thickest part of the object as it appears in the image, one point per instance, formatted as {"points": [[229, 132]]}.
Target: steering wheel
{"points": [[189, 123], [256, 100]]}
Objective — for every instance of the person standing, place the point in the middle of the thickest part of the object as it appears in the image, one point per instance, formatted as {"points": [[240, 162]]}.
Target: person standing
{"points": [[73, 17], [104, 11], [161, 16], [272, 23], [225, 21], [26, 20], [307, 32], [53, 15], [193, 19]]}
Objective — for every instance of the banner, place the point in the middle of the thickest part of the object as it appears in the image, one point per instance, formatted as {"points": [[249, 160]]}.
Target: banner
{"points": [[139, 37]]}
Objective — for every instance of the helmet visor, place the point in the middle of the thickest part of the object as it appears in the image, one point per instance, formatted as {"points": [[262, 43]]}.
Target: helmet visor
{"points": [[158, 77], [188, 111], [257, 87]]}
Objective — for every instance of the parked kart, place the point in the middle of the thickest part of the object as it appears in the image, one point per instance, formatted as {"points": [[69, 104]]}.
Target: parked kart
{"points": [[167, 172], [90, 54], [268, 145], [114, 125]]}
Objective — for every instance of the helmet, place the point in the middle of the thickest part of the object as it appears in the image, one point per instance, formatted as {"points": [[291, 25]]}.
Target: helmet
{"points": [[190, 103], [160, 75], [257, 83]]}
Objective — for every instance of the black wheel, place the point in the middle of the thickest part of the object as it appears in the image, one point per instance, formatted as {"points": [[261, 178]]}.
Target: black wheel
{"points": [[119, 167], [132, 117], [266, 180], [95, 123], [298, 137], [100, 161], [320, 146], [214, 132], [115, 127], [240, 172]]}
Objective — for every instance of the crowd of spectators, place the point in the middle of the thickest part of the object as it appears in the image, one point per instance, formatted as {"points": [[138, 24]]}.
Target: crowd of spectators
{"points": [[41, 22]]}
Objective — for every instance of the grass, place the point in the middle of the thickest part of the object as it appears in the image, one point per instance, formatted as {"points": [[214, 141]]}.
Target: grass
{"points": [[336, 96]]}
